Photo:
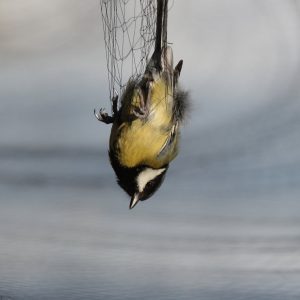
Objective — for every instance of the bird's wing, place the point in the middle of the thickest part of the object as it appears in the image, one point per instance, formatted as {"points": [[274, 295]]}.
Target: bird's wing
{"points": [[169, 141]]}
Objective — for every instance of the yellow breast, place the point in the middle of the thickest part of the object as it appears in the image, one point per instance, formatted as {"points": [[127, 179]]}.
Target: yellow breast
{"points": [[140, 141]]}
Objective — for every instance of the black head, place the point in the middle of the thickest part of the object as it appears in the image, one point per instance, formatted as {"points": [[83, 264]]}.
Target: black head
{"points": [[141, 182]]}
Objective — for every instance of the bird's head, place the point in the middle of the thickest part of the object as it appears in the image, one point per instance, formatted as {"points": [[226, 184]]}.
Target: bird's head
{"points": [[139, 182]]}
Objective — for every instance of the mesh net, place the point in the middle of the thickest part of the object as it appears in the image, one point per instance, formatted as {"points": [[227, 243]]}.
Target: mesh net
{"points": [[129, 35]]}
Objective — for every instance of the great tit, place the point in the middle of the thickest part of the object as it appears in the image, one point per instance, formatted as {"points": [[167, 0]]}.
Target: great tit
{"points": [[146, 127]]}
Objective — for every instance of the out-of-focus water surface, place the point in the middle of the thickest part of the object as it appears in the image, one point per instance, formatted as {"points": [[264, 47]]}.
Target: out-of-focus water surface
{"points": [[226, 222]]}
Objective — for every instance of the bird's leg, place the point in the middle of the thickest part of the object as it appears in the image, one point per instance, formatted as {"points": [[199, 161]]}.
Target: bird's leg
{"points": [[103, 116], [141, 111], [115, 105]]}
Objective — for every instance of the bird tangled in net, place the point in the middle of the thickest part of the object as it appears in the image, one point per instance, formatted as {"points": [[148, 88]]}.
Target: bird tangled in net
{"points": [[129, 36], [146, 120]]}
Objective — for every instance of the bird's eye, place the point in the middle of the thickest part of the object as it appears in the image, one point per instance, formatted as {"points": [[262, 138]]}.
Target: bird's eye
{"points": [[150, 184], [150, 187]]}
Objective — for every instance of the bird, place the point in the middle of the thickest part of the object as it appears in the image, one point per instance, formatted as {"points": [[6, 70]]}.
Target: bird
{"points": [[145, 131]]}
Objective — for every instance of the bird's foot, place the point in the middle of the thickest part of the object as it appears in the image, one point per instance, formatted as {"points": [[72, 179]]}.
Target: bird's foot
{"points": [[141, 109], [141, 112], [103, 116]]}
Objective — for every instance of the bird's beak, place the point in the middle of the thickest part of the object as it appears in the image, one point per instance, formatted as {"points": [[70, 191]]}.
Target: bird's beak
{"points": [[134, 200]]}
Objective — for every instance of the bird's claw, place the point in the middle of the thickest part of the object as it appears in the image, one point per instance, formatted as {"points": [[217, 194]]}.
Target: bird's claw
{"points": [[103, 116], [140, 113]]}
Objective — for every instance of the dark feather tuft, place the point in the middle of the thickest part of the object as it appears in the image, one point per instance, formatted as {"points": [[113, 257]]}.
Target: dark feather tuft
{"points": [[181, 104]]}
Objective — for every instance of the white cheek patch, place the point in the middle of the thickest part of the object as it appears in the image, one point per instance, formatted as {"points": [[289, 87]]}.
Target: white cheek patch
{"points": [[147, 175]]}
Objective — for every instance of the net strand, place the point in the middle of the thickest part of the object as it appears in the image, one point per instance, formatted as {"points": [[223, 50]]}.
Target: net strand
{"points": [[129, 36]]}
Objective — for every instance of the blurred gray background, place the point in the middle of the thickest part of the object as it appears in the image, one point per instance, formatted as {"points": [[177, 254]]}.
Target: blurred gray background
{"points": [[226, 222]]}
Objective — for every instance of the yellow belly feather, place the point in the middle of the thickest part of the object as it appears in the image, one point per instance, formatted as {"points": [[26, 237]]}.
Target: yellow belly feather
{"points": [[140, 141]]}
